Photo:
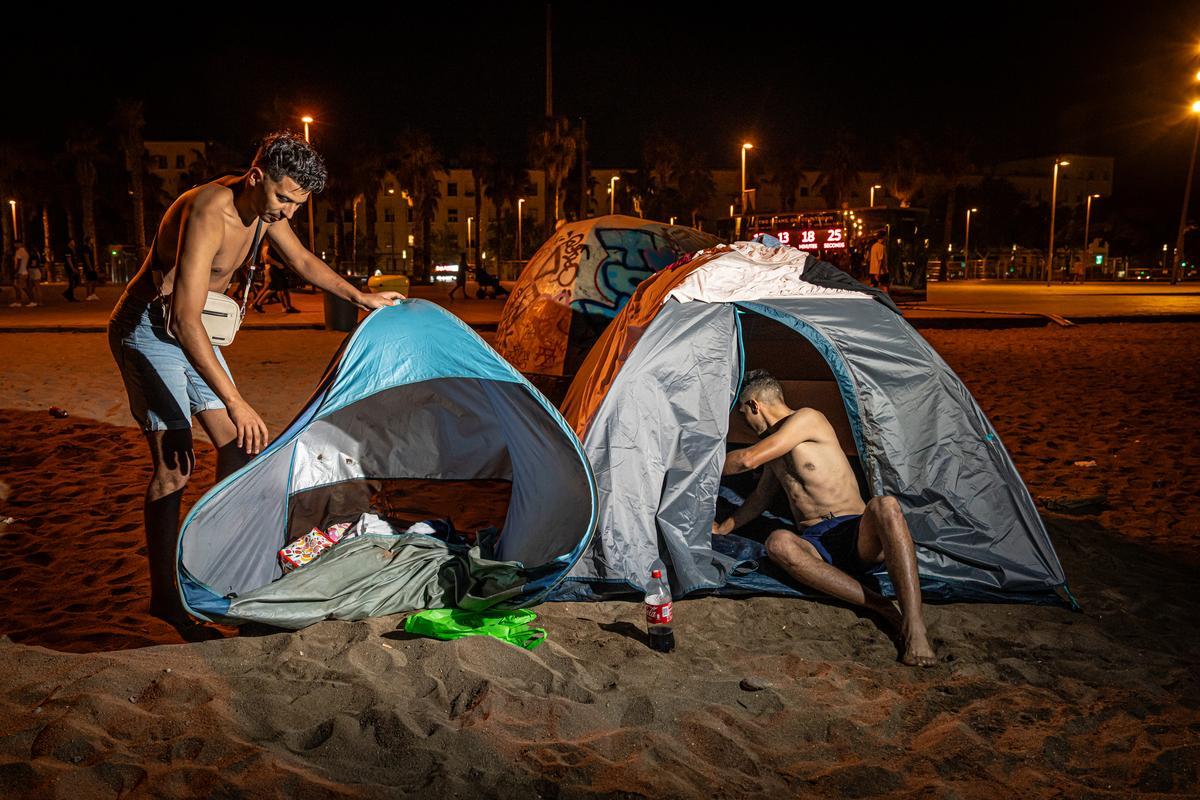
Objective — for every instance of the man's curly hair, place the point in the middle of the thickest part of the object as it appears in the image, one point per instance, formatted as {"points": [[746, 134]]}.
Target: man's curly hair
{"points": [[284, 153]]}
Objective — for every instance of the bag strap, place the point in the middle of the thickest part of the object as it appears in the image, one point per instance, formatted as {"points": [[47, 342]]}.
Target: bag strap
{"points": [[250, 265]]}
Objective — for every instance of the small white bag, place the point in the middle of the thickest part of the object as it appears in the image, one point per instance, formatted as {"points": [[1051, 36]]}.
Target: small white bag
{"points": [[221, 317]]}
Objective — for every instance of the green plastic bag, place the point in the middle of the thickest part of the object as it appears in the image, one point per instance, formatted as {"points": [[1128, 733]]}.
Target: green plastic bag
{"points": [[455, 623]]}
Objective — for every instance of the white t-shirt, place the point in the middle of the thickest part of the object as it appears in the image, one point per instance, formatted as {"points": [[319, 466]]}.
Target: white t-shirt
{"points": [[22, 259]]}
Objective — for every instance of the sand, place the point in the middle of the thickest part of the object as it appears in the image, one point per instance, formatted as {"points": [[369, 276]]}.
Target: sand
{"points": [[99, 700]]}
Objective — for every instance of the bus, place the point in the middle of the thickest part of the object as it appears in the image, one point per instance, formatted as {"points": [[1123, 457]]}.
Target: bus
{"points": [[843, 236]]}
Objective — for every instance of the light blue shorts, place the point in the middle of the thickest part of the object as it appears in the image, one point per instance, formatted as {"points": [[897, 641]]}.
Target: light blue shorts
{"points": [[164, 389]]}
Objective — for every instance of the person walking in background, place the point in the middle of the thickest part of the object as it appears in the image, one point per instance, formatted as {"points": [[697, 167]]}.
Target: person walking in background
{"points": [[21, 277], [90, 276], [71, 268], [877, 263], [460, 279], [33, 288], [276, 284]]}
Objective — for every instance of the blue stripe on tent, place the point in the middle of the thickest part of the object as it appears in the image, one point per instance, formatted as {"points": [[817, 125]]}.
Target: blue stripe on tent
{"points": [[837, 364], [198, 597], [737, 326]]}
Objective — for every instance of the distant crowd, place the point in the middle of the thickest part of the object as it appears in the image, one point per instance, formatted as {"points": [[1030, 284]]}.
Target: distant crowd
{"points": [[79, 266]]}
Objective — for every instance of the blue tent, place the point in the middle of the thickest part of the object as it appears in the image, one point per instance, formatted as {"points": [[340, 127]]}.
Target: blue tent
{"points": [[413, 393]]}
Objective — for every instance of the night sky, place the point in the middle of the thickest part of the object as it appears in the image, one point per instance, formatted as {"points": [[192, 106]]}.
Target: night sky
{"points": [[1104, 78]]}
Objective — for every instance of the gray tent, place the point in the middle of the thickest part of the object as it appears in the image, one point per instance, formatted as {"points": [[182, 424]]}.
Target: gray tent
{"points": [[653, 407]]}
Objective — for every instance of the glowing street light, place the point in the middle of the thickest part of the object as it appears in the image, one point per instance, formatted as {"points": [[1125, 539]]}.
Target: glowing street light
{"points": [[469, 221], [1187, 196], [520, 203], [1058, 162], [745, 146], [873, 188], [311, 244], [967, 243], [612, 193], [13, 205]]}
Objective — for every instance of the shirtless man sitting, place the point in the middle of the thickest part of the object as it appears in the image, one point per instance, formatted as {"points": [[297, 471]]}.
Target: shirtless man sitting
{"points": [[839, 535], [173, 375]]}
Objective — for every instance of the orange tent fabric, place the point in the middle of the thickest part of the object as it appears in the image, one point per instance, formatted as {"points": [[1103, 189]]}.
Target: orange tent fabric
{"points": [[606, 358]]}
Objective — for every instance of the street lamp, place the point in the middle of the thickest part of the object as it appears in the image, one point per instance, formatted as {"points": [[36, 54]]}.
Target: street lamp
{"points": [[1087, 221], [612, 193], [967, 243], [16, 233], [873, 188], [520, 203], [745, 146], [1187, 195], [469, 221], [1058, 162], [311, 244]]}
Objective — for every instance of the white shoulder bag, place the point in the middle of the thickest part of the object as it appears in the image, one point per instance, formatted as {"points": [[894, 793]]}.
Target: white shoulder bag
{"points": [[221, 317]]}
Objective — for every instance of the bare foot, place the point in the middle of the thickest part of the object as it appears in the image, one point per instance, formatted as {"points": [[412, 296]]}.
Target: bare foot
{"points": [[917, 650]]}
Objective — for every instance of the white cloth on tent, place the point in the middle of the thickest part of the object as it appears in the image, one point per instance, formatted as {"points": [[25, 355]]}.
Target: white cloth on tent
{"points": [[752, 271]]}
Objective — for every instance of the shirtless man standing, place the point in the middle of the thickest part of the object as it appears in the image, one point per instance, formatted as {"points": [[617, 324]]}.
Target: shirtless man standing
{"points": [[840, 536], [172, 376]]}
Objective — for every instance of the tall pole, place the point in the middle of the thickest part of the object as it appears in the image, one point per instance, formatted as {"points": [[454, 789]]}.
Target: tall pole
{"points": [[520, 203], [1053, 204], [16, 230], [549, 66], [1087, 225], [967, 245], [312, 245], [469, 221], [612, 194], [1187, 197], [745, 146]]}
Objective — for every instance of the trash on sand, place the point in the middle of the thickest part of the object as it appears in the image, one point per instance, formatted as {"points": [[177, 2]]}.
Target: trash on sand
{"points": [[1089, 463], [59, 413]]}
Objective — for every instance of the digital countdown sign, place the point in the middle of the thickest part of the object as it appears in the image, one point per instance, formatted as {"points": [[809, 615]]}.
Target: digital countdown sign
{"points": [[814, 238]]}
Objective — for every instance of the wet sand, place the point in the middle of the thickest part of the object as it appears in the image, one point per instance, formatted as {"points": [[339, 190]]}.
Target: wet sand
{"points": [[99, 700]]}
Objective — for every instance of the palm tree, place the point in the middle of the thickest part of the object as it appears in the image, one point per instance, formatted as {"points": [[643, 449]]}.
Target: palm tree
{"points": [[506, 184], [84, 151], [480, 160], [952, 164], [696, 185], [789, 173], [130, 121], [901, 171], [367, 178], [552, 149], [839, 173], [417, 164]]}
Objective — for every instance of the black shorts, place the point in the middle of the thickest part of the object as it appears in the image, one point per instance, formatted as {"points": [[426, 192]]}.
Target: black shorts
{"points": [[836, 540]]}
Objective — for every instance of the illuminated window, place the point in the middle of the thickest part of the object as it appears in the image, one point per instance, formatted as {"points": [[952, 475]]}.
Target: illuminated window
{"points": [[451, 189]]}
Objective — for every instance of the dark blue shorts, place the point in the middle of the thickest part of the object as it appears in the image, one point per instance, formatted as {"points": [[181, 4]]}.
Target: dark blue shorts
{"points": [[837, 541]]}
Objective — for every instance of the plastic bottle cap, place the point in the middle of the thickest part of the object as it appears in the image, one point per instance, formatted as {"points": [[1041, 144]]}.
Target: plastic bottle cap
{"points": [[656, 574]]}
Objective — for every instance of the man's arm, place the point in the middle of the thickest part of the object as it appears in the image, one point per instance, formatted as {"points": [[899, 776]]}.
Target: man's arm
{"points": [[318, 273], [200, 234], [752, 509], [801, 426]]}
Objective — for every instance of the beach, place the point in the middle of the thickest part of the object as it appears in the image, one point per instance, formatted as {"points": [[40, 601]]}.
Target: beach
{"points": [[764, 697]]}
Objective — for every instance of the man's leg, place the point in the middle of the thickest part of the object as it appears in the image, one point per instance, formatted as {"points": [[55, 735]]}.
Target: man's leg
{"points": [[174, 461], [804, 563], [883, 535], [223, 435]]}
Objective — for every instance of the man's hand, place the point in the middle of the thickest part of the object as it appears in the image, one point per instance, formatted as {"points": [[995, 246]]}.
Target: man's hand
{"points": [[722, 528], [370, 302], [251, 430]]}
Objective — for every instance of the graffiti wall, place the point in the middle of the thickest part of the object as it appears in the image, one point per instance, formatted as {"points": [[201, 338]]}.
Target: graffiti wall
{"points": [[578, 281]]}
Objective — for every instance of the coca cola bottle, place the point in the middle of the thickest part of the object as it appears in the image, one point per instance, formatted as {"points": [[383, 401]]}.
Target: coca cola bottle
{"points": [[658, 610]]}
